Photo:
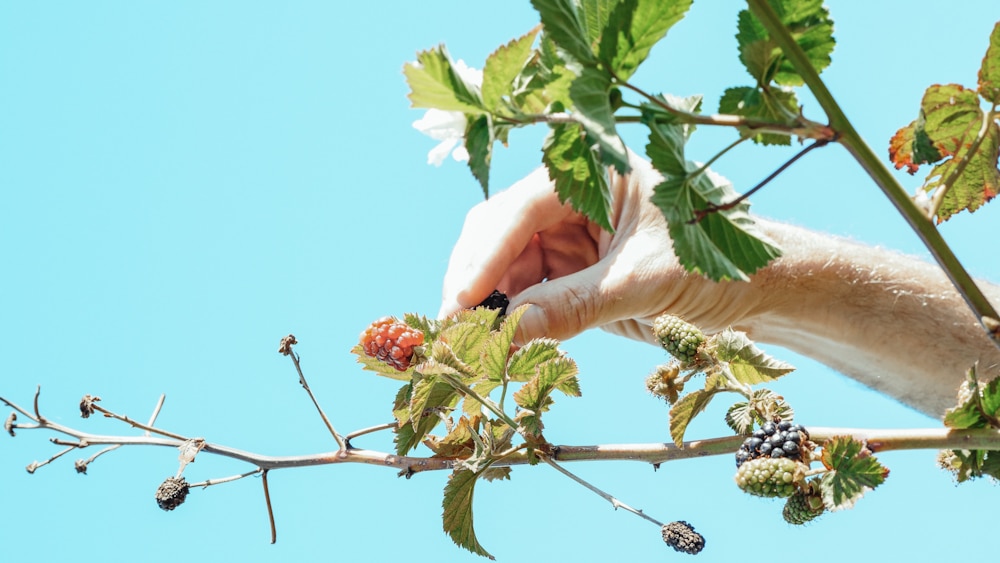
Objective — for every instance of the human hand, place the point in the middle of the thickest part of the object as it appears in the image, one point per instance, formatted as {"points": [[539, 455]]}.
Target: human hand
{"points": [[536, 250]]}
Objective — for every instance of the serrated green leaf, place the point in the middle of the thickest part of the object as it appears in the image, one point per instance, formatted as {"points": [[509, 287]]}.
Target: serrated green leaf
{"points": [[724, 245], [976, 185], [502, 68], [968, 413], [853, 471], [479, 144], [457, 518], [950, 116], [562, 22], [749, 364], [989, 71], [592, 109], [633, 28], [496, 474], [990, 399], [524, 362], [375, 365], [810, 25], [467, 337], [684, 411], [579, 176], [769, 104], [434, 83], [741, 417], [535, 395], [495, 352], [430, 396]]}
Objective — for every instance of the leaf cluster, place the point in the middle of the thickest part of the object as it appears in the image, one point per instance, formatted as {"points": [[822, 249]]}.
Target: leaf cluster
{"points": [[978, 407], [960, 139]]}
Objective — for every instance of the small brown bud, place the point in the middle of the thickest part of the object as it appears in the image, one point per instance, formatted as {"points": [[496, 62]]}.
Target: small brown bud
{"points": [[285, 348], [8, 424], [80, 466], [87, 405]]}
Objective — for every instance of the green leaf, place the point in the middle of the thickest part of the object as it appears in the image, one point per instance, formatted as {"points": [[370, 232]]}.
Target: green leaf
{"points": [[467, 338], [989, 71], [523, 363], [493, 357], [724, 245], [496, 474], [990, 400], [749, 364], [950, 116], [902, 148], [853, 471], [741, 417], [457, 517], [769, 104], [479, 145], [592, 109], [535, 396], [976, 185], [434, 83], [430, 397], [563, 24], [579, 176], [967, 414], [684, 411], [811, 27], [369, 363], [502, 68], [632, 30]]}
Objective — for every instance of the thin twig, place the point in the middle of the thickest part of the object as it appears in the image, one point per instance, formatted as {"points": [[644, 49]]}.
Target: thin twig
{"points": [[136, 424], [38, 415], [210, 482], [270, 511], [33, 466], [369, 430], [614, 501], [286, 349]]}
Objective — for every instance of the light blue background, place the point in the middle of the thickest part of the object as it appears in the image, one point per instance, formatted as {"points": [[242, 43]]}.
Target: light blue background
{"points": [[183, 183]]}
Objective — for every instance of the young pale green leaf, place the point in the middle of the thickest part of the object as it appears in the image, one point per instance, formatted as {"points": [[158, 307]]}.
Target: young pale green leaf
{"points": [[502, 68], [724, 244], [990, 401], [684, 411], [967, 413], [853, 471], [633, 28], [989, 71], [741, 417], [950, 115], [977, 184], [749, 364], [810, 25], [434, 83], [592, 109], [524, 362], [471, 406], [457, 516], [467, 338], [535, 395], [369, 363], [493, 357], [580, 177], [769, 104], [430, 396], [562, 22]]}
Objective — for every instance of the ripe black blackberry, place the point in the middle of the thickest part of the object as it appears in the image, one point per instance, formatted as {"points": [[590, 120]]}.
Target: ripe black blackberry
{"points": [[681, 536], [496, 300], [171, 493], [775, 440]]}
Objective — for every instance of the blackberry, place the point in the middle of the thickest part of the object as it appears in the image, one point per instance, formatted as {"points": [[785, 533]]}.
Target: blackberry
{"points": [[783, 439], [770, 477], [496, 300], [681, 536], [392, 342], [804, 505], [678, 337], [171, 493]]}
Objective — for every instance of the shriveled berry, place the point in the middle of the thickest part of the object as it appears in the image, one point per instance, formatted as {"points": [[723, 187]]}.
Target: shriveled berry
{"points": [[681, 536], [770, 477], [392, 342], [678, 337], [171, 493]]}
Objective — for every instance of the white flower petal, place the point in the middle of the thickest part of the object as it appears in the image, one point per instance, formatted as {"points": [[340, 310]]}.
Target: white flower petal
{"points": [[437, 154], [441, 125], [469, 74], [460, 153]]}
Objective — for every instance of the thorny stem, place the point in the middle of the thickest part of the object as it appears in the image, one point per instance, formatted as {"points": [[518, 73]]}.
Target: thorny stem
{"points": [[946, 183], [882, 176], [614, 501], [286, 349]]}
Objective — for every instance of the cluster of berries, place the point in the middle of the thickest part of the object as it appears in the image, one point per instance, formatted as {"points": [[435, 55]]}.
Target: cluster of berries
{"points": [[771, 476], [678, 337], [783, 439]]}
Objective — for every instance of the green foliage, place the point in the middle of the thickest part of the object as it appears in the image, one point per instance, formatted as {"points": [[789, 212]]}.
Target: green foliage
{"points": [[434, 83], [978, 407], [578, 173], [457, 516], [852, 471], [764, 405], [691, 405], [749, 364]]}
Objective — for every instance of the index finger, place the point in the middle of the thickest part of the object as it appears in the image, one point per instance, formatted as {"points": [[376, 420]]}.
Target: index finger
{"points": [[495, 233]]}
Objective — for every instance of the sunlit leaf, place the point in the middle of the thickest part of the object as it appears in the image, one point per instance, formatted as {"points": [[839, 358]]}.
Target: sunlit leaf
{"points": [[749, 364], [989, 71], [592, 109], [434, 83], [853, 472], [811, 27], [579, 175], [495, 351], [524, 362], [563, 24], [502, 67], [772, 104], [457, 517]]}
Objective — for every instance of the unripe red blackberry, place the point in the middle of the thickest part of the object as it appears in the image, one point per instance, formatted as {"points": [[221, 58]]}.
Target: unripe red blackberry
{"points": [[681, 536], [171, 493], [770, 477], [392, 342], [678, 337], [805, 505]]}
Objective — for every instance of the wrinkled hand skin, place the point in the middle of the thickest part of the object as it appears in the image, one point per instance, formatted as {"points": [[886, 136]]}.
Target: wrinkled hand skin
{"points": [[890, 321]]}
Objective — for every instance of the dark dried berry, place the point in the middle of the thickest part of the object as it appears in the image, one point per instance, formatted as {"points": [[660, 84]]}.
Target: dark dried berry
{"points": [[681, 536], [496, 300], [171, 493], [392, 342]]}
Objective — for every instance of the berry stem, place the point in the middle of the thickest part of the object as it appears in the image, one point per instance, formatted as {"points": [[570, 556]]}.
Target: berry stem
{"points": [[287, 350]]}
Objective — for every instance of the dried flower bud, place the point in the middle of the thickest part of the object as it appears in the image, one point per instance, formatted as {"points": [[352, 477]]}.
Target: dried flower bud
{"points": [[681, 536], [80, 466], [663, 382], [285, 348], [32, 467], [171, 493], [87, 405], [8, 424]]}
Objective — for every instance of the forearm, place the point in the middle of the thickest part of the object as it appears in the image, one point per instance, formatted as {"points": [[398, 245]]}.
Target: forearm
{"points": [[894, 323]]}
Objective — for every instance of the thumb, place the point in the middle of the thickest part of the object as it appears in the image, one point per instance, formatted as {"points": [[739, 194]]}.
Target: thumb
{"points": [[563, 307]]}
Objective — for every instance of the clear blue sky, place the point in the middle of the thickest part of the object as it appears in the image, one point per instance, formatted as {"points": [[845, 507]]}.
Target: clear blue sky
{"points": [[186, 182]]}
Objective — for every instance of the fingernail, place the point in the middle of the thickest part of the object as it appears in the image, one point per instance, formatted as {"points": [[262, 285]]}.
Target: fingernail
{"points": [[534, 324]]}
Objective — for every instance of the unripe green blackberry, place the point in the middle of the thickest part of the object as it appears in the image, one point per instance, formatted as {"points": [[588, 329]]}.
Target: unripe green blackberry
{"points": [[770, 476], [804, 505], [171, 493], [678, 337], [681, 536]]}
